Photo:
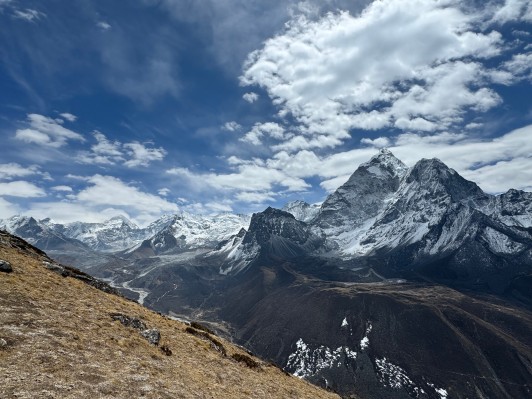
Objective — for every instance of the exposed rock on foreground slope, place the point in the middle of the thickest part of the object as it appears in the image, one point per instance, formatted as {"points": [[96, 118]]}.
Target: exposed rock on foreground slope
{"points": [[60, 337]]}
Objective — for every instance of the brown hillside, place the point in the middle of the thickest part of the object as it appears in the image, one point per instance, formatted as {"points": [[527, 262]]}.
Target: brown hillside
{"points": [[62, 338]]}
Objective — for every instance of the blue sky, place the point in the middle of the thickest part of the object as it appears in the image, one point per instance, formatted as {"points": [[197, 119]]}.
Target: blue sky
{"points": [[147, 107]]}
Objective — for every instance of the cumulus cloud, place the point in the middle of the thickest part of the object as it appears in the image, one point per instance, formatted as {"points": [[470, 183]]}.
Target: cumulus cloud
{"points": [[249, 182], [7, 209], [13, 170], [47, 132], [108, 152], [21, 188], [104, 152], [250, 97], [141, 155], [259, 130], [514, 10], [163, 192], [323, 72], [518, 68], [492, 163], [231, 126], [102, 198], [111, 191], [68, 116], [379, 142]]}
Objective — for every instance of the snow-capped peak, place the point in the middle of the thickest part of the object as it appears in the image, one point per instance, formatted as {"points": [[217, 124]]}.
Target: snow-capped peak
{"points": [[383, 165]]}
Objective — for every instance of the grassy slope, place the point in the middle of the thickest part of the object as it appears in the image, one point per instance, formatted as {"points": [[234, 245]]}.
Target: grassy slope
{"points": [[62, 343]]}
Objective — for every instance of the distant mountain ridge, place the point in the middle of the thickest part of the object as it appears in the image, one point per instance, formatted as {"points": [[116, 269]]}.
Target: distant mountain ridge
{"points": [[119, 233]]}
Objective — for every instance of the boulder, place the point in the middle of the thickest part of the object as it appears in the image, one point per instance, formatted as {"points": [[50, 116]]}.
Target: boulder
{"points": [[5, 266]]}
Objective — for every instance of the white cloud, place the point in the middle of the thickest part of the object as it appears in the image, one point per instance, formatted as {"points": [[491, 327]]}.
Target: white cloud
{"points": [[107, 152], [28, 14], [104, 197], [110, 191], [7, 209], [231, 126], [256, 198], [249, 178], [163, 192], [140, 155], [259, 130], [69, 117], [104, 152], [21, 188], [519, 67], [496, 165], [250, 97], [47, 132], [9, 171], [379, 142], [103, 25], [514, 10], [324, 72], [66, 189]]}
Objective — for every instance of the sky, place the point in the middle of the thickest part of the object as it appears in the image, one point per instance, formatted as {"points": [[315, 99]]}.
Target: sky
{"points": [[149, 107]]}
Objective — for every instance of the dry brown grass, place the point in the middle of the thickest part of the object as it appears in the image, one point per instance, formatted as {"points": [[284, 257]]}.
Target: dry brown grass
{"points": [[62, 343]]}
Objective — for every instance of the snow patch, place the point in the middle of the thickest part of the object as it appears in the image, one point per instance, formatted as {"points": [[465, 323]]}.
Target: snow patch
{"points": [[306, 362], [364, 342]]}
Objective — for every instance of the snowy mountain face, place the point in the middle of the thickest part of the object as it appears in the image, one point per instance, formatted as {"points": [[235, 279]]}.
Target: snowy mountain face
{"points": [[40, 234], [272, 234], [112, 235], [302, 210], [186, 231], [430, 208], [426, 195], [352, 208]]}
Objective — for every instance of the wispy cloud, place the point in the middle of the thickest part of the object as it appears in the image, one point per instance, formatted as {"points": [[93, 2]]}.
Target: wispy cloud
{"points": [[259, 130], [28, 14], [103, 25], [231, 126], [68, 116], [132, 154], [46, 131], [21, 188], [141, 155], [9, 171]]}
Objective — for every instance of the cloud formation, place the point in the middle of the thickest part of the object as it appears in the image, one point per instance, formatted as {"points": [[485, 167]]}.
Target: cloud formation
{"points": [[28, 14], [21, 188], [430, 70], [46, 131], [132, 154], [104, 197], [250, 97]]}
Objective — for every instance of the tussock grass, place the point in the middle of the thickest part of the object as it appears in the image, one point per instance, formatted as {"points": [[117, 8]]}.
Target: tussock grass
{"points": [[62, 343]]}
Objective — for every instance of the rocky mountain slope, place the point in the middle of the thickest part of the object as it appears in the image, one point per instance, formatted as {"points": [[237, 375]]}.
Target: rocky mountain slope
{"points": [[60, 337]]}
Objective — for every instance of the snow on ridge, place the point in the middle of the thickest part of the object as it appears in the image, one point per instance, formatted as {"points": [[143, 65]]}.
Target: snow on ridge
{"points": [[364, 342], [307, 362]]}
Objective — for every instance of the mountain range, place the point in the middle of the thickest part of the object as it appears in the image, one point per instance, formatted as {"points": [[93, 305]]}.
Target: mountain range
{"points": [[403, 283]]}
